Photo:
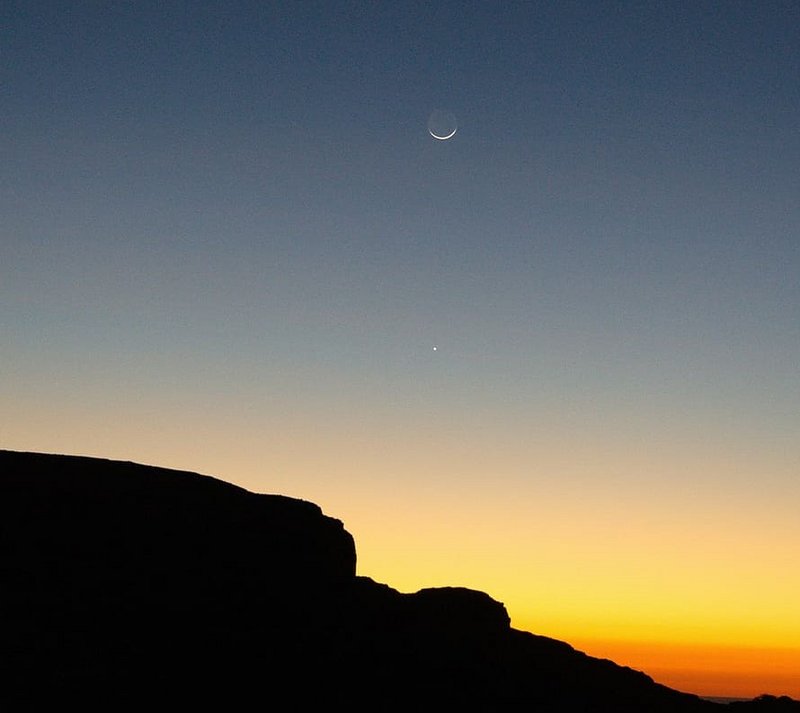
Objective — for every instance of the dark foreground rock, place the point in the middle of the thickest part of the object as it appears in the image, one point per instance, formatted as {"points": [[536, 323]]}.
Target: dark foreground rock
{"points": [[127, 587]]}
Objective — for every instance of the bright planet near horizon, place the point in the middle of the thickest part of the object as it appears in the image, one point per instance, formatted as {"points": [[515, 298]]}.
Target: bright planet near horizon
{"points": [[442, 125], [227, 246]]}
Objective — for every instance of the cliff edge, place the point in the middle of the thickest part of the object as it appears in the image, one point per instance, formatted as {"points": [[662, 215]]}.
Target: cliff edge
{"points": [[127, 586]]}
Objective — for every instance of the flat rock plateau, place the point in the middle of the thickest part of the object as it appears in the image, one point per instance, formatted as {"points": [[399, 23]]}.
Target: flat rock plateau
{"points": [[128, 587]]}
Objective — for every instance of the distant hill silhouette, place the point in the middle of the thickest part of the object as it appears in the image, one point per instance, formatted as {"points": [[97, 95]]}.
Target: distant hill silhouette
{"points": [[126, 587]]}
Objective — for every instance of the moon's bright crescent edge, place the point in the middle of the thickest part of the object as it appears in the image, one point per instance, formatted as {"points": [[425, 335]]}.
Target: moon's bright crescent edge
{"points": [[443, 138]]}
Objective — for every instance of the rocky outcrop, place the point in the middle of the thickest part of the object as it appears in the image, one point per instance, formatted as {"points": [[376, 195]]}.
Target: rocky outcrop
{"points": [[124, 520], [458, 609], [766, 704], [121, 581], [126, 587]]}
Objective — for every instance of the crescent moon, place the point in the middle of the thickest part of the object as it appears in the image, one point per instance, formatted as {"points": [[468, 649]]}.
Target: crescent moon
{"points": [[443, 138]]}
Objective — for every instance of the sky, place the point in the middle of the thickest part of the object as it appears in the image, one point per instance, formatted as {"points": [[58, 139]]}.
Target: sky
{"points": [[553, 358]]}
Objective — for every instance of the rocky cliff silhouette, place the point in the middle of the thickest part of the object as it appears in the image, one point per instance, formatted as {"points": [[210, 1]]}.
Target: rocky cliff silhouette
{"points": [[126, 587]]}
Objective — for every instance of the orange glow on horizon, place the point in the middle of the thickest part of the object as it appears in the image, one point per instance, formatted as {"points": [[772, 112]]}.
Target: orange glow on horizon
{"points": [[693, 584], [707, 670]]}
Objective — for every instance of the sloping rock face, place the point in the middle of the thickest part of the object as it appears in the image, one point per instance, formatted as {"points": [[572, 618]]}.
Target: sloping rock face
{"points": [[127, 587], [119, 579], [125, 519]]}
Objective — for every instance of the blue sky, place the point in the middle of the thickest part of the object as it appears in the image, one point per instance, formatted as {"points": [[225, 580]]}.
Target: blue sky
{"points": [[229, 244], [621, 195]]}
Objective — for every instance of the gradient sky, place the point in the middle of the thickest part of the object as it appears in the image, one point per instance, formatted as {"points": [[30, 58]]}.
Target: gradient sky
{"points": [[228, 245]]}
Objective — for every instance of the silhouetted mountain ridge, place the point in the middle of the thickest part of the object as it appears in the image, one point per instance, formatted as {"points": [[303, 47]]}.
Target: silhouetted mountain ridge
{"points": [[126, 585]]}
